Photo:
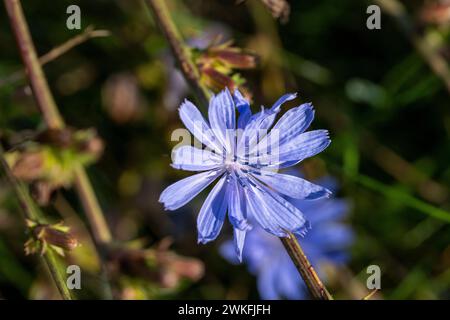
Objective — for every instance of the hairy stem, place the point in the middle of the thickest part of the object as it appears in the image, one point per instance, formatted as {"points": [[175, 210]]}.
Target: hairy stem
{"points": [[190, 72], [32, 212], [52, 117], [313, 283], [179, 48]]}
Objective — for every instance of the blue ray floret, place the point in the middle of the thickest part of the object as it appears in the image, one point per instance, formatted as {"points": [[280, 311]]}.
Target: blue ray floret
{"points": [[244, 153], [326, 241]]}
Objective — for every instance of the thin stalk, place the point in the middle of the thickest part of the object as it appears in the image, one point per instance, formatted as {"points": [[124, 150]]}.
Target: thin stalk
{"points": [[56, 52], [190, 72], [32, 212], [315, 286], [180, 50], [53, 118]]}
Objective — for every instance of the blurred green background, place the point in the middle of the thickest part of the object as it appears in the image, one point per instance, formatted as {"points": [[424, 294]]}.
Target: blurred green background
{"points": [[388, 114]]}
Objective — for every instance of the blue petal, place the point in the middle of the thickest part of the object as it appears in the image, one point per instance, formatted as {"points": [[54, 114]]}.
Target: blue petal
{"points": [[267, 283], [287, 97], [306, 145], [212, 214], [330, 210], [181, 192], [243, 107], [290, 284], [228, 251], [330, 237], [197, 125], [239, 239], [294, 187], [259, 123], [329, 182], [237, 211], [255, 130], [194, 159], [274, 213], [222, 117], [294, 122], [303, 146]]}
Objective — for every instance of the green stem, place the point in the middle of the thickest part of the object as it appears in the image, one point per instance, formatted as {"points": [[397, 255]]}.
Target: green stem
{"points": [[191, 74], [32, 212], [54, 269]]}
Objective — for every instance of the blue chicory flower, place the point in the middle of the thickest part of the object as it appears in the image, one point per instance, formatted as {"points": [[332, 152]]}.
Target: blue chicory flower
{"points": [[244, 154], [326, 241]]}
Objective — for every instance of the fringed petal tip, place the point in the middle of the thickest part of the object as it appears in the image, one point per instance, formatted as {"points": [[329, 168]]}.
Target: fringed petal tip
{"points": [[287, 97], [203, 240], [183, 104], [238, 250], [320, 195], [294, 95], [303, 230], [165, 206], [239, 256]]}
